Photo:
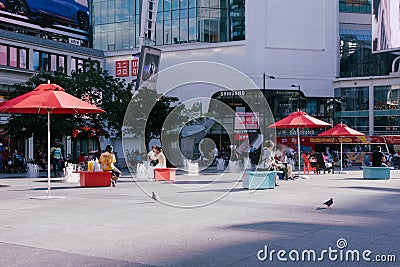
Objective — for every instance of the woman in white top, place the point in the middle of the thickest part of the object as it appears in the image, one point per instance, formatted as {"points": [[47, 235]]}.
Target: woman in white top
{"points": [[162, 161]]}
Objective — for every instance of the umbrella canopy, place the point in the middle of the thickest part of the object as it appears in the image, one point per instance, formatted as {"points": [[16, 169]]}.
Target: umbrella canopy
{"points": [[341, 130], [299, 119], [48, 99], [48, 96]]}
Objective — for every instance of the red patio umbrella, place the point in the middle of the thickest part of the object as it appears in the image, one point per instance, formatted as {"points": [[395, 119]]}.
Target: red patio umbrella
{"points": [[48, 99], [341, 130], [298, 119]]}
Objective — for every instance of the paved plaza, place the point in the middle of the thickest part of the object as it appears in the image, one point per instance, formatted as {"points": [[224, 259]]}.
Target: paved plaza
{"points": [[206, 220]]}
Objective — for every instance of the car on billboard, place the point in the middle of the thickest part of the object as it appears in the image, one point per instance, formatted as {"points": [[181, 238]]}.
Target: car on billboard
{"points": [[43, 12]]}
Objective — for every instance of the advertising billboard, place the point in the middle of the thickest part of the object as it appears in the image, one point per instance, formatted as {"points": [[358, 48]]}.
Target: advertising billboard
{"points": [[47, 13], [148, 67], [385, 25]]}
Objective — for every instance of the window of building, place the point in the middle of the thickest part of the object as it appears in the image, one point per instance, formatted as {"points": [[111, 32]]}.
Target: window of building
{"points": [[355, 6], [386, 97], [13, 56], [77, 64], [386, 109], [23, 58], [352, 108], [356, 58], [178, 21], [3, 55], [73, 65], [45, 61]]}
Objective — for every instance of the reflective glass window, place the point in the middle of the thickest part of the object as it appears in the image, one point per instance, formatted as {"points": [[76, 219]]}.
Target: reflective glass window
{"points": [[3, 55], [61, 63], [183, 33], [13, 56], [44, 61], [73, 65], [23, 58], [36, 60], [53, 62]]}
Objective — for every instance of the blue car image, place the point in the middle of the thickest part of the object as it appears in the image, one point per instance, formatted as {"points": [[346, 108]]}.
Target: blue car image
{"points": [[42, 12]]}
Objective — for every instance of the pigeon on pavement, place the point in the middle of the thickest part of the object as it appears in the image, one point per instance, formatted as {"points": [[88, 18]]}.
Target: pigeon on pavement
{"points": [[153, 196], [329, 202]]}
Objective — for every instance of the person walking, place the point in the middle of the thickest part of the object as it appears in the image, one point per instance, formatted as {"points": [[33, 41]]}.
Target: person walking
{"points": [[107, 160], [56, 158]]}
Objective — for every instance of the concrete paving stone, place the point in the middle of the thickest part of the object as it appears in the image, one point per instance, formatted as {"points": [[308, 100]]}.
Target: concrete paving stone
{"points": [[16, 255], [123, 226]]}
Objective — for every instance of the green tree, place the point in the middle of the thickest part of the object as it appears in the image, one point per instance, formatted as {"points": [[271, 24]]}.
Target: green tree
{"points": [[146, 114]]}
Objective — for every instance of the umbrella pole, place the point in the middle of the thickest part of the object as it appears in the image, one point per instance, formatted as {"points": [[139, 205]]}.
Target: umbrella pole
{"points": [[341, 157], [48, 153], [298, 147]]}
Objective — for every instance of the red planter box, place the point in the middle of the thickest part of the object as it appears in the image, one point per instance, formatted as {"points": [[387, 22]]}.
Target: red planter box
{"points": [[89, 179], [164, 174]]}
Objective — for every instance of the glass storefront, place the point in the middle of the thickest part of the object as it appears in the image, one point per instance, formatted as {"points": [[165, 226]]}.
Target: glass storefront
{"points": [[116, 23], [353, 108], [386, 109]]}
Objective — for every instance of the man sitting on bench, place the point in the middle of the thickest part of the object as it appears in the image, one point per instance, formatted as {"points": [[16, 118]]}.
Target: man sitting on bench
{"points": [[378, 158], [107, 160]]}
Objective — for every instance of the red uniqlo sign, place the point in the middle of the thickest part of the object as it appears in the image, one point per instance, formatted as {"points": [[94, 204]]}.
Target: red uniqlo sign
{"points": [[122, 68], [134, 67]]}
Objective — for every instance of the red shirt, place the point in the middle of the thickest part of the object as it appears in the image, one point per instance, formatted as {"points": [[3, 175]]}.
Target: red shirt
{"points": [[81, 158]]}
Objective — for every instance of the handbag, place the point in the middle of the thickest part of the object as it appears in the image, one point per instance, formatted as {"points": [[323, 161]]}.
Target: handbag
{"points": [[154, 162]]}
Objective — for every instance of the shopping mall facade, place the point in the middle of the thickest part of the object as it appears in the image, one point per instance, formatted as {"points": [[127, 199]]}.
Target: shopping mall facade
{"points": [[321, 47]]}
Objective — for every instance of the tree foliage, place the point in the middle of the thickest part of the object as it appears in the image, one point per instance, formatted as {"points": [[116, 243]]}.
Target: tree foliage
{"points": [[147, 113]]}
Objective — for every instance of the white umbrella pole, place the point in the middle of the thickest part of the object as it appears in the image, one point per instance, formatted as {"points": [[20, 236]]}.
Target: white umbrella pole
{"points": [[341, 157], [298, 146], [48, 154]]}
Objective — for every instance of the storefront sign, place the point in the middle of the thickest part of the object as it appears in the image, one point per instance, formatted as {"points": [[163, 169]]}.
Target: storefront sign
{"points": [[122, 68]]}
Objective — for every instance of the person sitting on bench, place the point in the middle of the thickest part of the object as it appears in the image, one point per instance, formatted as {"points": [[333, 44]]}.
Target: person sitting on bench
{"points": [[107, 160], [162, 162], [378, 158]]}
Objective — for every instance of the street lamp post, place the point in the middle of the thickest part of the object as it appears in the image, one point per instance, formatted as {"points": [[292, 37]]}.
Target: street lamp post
{"points": [[298, 96], [267, 76]]}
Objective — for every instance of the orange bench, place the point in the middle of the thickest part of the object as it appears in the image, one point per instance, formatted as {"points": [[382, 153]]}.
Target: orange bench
{"points": [[91, 179], [164, 174]]}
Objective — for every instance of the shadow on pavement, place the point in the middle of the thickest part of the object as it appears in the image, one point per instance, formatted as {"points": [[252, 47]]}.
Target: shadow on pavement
{"points": [[374, 188]]}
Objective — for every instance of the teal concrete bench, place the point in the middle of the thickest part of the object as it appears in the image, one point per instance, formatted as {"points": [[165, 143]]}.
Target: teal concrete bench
{"points": [[376, 173], [259, 179]]}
